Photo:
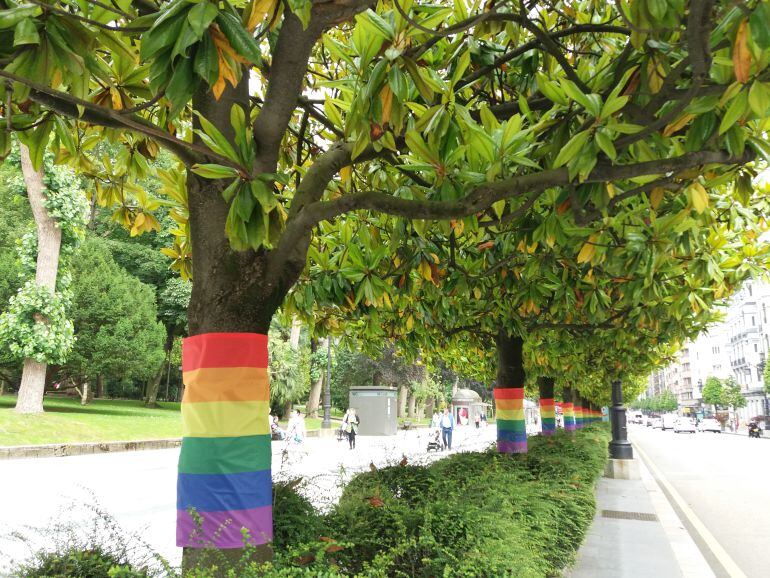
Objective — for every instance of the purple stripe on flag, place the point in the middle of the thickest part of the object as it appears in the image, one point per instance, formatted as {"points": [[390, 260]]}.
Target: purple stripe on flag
{"points": [[509, 447], [223, 529]]}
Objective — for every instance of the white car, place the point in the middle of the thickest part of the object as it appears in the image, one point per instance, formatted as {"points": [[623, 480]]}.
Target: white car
{"points": [[710, 424], [657, 423], [669, 421], [684, 424]]}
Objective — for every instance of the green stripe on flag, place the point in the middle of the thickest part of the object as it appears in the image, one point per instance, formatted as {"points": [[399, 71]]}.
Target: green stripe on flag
{"points": [[227, 455]]}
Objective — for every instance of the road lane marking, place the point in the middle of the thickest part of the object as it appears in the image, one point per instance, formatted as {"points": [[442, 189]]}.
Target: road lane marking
{"points": [[708, 538]]}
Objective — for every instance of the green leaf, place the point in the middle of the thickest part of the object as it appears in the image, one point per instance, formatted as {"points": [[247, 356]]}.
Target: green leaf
{"points": [[161, 36], [185, 39], [759, 23], [201, 16], [417, 145], [377, 23], [592, 103], [213, 171], [572, 148], [613, 105], [181, 86], [64, 132], [461, 66], [244, 202], [738, 107], [207, 60], [551, 90], [216, 140], [759, 98], [26, 33], [422, 86], [605, 143], [241, 41], [37, 142], [11, 17]]}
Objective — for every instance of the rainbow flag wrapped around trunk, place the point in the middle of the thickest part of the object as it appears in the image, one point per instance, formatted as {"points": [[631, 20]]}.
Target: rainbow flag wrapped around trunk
{"points": [[547, 416], [224, 485], [578, 406], [511, 429], [568, 411]]}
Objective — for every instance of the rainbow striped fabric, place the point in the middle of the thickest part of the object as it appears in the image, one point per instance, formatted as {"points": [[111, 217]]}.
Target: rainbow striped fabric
{"points": [[578, 407], [547, 416], [568, 411], [511, 429], [224, 482]]}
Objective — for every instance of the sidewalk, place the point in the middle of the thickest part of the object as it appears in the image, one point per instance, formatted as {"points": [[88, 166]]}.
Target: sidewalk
{"points": [[636, 534]]}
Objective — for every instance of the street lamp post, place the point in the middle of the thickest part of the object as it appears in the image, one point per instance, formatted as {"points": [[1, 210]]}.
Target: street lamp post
{"points": [[327, 421], [620, 447]]}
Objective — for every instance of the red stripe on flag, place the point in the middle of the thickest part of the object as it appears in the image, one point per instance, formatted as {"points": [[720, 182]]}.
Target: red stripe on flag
{"points": [[209, 350]]}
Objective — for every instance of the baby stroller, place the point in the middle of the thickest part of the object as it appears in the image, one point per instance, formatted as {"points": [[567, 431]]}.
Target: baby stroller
{"points": [[434, 441]]}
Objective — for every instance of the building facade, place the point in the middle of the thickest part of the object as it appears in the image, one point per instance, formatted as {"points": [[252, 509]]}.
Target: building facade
{"points": [[736, 348]]}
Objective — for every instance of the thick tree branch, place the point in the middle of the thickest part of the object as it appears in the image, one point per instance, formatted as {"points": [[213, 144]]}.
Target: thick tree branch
{"points": [[526, 47]]}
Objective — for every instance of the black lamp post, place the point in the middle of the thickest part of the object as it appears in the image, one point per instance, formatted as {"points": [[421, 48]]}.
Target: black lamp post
{"points": [[620, 447], [327, 421]]}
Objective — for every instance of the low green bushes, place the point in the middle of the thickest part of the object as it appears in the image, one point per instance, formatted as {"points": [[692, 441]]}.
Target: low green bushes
{"points": [[471, 514]]}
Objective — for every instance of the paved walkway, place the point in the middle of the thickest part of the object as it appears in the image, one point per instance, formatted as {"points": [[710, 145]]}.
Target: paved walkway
{"points": [[637, 534]]}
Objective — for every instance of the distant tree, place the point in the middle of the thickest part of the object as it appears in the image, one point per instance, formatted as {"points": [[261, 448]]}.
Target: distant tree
{"points": [[667, 401], [116, 327], [732, 396], [289, 371], [713, 391]]}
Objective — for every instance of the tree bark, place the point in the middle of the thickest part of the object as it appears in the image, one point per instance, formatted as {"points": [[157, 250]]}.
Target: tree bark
{"points": [[296, 330], [316, 387], [100, 386], [86, 393], [430, 405], [287, 409], [30, 399], [402, 398], [412, 405], [509, 394], [153, 387]]}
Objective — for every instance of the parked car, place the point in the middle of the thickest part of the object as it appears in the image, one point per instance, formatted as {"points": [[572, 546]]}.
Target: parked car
{"points": [[669, 420], [684, 424], [657, 423], [710, 424], [636, 417]]}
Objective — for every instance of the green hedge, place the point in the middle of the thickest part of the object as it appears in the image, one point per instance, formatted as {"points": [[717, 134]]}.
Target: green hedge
{"points": [[471, 514]]}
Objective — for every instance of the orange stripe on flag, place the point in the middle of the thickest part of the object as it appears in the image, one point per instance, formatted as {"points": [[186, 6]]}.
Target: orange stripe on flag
{"points": [[226, 384]]}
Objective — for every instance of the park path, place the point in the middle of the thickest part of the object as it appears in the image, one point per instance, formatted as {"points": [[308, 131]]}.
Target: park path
{"points": [[138, 489]]}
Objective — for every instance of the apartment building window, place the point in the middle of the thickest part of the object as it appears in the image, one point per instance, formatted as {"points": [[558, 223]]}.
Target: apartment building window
{"points": [[756, 348], [752, 321]]}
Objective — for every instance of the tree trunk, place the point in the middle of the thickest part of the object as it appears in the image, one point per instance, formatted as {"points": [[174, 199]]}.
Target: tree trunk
{"points": [[296, 330], [316, 387], [403, 392], [153, 386], [568, 409], [547, 409], [412, 405], [287, 410], [509, 394], [86, 393], [100, 386], [30, 399], [430, 405]]}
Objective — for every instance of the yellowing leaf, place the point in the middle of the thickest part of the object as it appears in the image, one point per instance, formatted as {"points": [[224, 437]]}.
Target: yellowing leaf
{"points": [[259, 9], [678, 124], [698, 197], [656, 196], [741, 53], [588, 250]]}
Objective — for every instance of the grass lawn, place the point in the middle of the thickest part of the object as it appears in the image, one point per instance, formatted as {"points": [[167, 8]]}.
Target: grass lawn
{"points": [[65, 420]]}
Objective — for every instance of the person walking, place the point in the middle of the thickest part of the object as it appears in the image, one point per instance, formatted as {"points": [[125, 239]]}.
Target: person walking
{"points": [[295, 431], [350, 423], [447, 426], [477, 420], [435, 421]]}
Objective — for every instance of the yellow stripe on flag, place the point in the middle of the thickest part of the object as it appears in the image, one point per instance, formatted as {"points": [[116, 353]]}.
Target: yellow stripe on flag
{"points": [[225, 419], [509, 404], [510, 413]]}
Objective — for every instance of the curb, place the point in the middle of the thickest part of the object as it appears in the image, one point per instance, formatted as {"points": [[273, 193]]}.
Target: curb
{"points": [[79, 449], [88, 448]]}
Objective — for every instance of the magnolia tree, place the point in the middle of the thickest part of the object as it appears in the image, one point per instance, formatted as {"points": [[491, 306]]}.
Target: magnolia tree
{"points": [[286, 115]]}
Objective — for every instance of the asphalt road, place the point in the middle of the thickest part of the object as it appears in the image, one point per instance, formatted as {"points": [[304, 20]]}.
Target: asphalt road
{"points": [[725, 479]]}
